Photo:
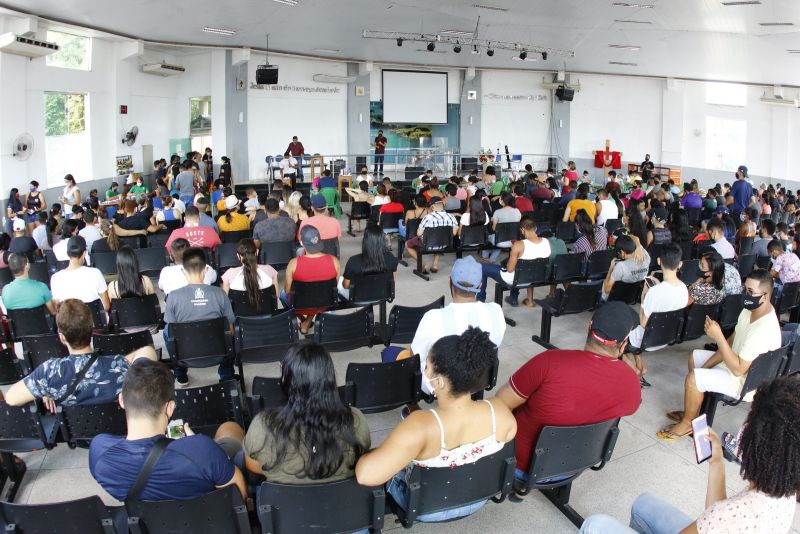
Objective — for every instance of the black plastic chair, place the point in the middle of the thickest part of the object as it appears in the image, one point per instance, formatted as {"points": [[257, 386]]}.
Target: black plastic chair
{"points": [[589, 447], [689, 271], [567, 268], [379, 387], [99, 318], [80, 423], [527, 273], [136, 312], [359, 211], [412, 225], [695, 323], [106, 262], [121, 342], [234, 237], [472, 238], [38, 271], [789, 301], [277, 254], [745, 245], [372, 289], [729, 310], [264, 339], [577, 298], [6, 277], [314, 295], [434, 490], [38, 349], [763, 262], [627, 292], [171, 225], [243, 308], [11, 369], [331, 246], [159, 239], [340, 332], [663, 328], [134, 242], [792, 361], [267, 393], [599, 263], [404, 320], [222, 510], [566, 231], [763, 369], [504, 232], [694, 215], [87, 516], [342, 506], [687, 248], [612, 224], [24, 429], [205, 408], [201, 344], [390, 222], [746, 264], [151, 260], [26, 322], [436, 240], [226, 258]]}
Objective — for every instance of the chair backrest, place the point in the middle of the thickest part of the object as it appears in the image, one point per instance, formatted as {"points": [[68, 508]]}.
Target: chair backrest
{"points": [[6, 277], [20, 428], [579, 297], [663, 328], [729, 311], [411, 227], [687, 247], [88, 516], [390, 221], [508, 231], [276, 253], [267, 393], [746, 245], [265, 339], [404, 320], [29, 322], [694, 325], [612, 224], [345, 331], [132, 241], [359, 211], [378, 387], [343, 506], [331, 246], [374, 213], [38, 271], [151, 260], [98, 313], [790, 297], [121, 342], [627, 292], [243, 308], [159, 239], [589, 445], [529, 273], [172, 225], [440, 489], [313, 295], [599, 263], [226, 256], [694, 215], [234, 237], [438, 238], [106, 262], [201, 343], [792, 361], [10, 368], [80, 423], [746, 263], [134, 312], [566, 231], [567, 268], [474, 236], [207, 407], [368, 289], [219, 511], [38, 349], [764, 368], [763, 262]]}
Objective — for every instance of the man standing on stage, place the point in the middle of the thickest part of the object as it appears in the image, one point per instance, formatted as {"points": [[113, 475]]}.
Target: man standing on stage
{"points": [[380, 148], [297, 151], [646, 168]]}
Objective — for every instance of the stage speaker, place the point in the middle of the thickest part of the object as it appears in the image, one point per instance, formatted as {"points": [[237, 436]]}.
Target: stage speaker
{"points": [[564, 94], [552, 163], [361, 161], [267, 74]]}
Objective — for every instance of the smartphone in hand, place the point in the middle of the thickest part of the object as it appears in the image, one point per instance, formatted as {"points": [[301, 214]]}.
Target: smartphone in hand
{"points": [[700, 434], [175, 429], [650, 281]]}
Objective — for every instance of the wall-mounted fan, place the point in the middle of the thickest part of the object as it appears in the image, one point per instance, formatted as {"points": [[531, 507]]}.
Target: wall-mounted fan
{"points": [[130, 137], [23, 147]]}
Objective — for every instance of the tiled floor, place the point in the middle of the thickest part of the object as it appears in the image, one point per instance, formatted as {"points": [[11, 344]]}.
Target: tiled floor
{"points": [[640, 463]]}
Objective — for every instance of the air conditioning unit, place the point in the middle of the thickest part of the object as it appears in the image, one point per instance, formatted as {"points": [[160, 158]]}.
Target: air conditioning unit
{"points": [[25, 46], [330, 78], [780, 101], [162, 69]]}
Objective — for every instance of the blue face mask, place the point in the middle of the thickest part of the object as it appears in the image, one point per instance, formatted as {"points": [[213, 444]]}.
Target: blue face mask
{"points": [[32, 189]]}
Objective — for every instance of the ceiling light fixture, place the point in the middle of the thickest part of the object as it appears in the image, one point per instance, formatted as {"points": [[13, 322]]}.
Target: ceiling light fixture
{"points": [[627, 21], [399, 41], [431, 46], [491, 8], [523, 55], [219, 31], [770, 24], [793, 51], [635, 6], [742, 3], [327, 50], [625, 47], [544, 56], [287, 2], [623, 63], [457, 49], [459, 33]]}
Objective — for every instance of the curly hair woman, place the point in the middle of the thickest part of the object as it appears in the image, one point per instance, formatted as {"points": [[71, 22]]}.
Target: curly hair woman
{"points": [[459, 431]]}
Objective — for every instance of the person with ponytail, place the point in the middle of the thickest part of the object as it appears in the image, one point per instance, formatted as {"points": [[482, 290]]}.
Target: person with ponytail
{"points": [[459, 431], [110, 241], [250, 277]]}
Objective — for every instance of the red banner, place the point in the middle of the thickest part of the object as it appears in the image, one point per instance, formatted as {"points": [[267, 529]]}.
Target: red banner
{"points": [[607, 159]]}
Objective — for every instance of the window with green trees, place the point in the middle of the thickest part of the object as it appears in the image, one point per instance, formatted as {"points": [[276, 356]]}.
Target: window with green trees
{"points": [[64, 113], [75, 51]]}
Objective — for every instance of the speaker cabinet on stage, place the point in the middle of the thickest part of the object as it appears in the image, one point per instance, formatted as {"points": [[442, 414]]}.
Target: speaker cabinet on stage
{"points": [[267, 74], [552, 163], [361, 161], [468, 164]]}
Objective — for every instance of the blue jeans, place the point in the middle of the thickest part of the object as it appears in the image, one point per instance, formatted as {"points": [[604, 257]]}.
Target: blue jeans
{"points": [[649, 515], [492, 270], [401, 228], [225, 370], [378, 163], [398, 489], [188, 200]]}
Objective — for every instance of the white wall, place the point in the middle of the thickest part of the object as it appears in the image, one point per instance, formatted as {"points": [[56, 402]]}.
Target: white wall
{"points": [[522, 124], [319, 119]]}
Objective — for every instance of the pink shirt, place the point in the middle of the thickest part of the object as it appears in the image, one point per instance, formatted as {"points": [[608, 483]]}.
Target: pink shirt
{"points": [[328, 226], [232, 273], [197, 236], [787, 265]]}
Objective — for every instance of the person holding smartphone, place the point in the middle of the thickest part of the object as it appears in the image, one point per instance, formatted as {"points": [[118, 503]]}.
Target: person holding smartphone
{"points": [[769, 449]]}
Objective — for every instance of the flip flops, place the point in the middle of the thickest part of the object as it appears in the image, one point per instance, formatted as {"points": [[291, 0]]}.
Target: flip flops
{"points": [[667, 434]]}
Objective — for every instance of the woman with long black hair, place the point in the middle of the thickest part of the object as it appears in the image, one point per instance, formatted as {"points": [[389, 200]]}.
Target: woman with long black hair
{"points": [[475, 215], [374, 259], [14, 209], [250, 277], [313, 438], [129, 282], [593, 237]]}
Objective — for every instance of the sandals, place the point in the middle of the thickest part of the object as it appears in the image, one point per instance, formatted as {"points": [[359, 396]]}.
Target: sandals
{"points": [[676, 416], [645, 384], [667, 434], [528, 303]]}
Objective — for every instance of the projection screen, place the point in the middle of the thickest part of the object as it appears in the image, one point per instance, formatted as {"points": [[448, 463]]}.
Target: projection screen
{"points": [[414, 97]]}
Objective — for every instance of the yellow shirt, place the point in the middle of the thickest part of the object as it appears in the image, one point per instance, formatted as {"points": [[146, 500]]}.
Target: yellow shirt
{"points": [[576, 204], [752, 339], [238, 223]]}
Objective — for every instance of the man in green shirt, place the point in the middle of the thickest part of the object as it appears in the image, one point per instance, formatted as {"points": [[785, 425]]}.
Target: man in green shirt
{"points": [[113, 192], [23, 292], [138, 188]]}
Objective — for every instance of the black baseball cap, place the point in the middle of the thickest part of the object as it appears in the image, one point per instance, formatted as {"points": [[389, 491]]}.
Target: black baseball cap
{"points": [[661, 214], [612, 323]]}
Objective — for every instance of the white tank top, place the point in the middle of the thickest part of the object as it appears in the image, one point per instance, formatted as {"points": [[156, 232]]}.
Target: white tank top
{"points": [[531, 251]]}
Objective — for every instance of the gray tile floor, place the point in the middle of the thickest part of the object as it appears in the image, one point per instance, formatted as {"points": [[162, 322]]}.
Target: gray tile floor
{"points": [[641, 463]]}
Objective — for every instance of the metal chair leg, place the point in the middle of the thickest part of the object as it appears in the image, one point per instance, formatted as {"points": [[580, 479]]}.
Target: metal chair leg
{"points": [[418, 270], [560, 498]]}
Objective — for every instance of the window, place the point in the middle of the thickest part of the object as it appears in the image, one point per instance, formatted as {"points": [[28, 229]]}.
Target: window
{"points": [[67, 144], [74, 52], [726, 143], [726, 94], [200, 116]]}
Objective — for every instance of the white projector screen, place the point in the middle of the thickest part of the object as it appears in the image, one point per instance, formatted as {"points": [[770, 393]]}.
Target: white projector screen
{"points": [[414, 97]]}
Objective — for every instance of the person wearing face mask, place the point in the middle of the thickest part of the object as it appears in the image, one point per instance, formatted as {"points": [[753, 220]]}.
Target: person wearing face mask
{"points": [[716, 233], [625, 267], [724, 371], [785, 265], [34, 204], [138, 188], [113, 192], [599, 386], [71, 196]]}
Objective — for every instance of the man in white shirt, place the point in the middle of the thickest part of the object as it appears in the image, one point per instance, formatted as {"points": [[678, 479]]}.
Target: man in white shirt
{"points": [[173, 277], [288, 166], [178, 204], [669, 295], [86, 284], [90, 232], [716, 233], [464, 311], [606, 208]]}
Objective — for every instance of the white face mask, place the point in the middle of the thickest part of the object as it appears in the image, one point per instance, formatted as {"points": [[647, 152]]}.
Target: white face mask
{"points": [[427, 383]]}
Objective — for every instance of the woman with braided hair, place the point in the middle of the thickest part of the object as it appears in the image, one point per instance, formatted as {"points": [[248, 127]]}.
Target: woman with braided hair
{"points": [[459, 431], [769, 450]]}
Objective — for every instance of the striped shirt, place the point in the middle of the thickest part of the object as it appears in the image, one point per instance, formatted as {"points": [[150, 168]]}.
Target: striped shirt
{"points": [[436, 219]]}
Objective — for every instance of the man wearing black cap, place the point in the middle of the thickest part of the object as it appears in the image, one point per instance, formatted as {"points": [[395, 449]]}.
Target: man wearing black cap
{"points": [[575, 387]]}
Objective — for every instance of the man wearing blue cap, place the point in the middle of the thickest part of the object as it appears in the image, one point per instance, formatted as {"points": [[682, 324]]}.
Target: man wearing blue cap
{"points": [[742, 192]]}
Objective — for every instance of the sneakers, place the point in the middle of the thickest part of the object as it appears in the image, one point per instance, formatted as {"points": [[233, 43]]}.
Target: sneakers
{"points": [[512, 302]]}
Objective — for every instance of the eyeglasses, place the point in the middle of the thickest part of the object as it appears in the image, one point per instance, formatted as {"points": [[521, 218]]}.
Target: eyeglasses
{"points": [[750, 292]]}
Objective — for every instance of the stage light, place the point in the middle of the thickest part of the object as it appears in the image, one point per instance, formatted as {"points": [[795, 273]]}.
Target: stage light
{"points": [[431, 46], [490, 52], [544, 56], [523, 55], [399, 41], [457, 49]]}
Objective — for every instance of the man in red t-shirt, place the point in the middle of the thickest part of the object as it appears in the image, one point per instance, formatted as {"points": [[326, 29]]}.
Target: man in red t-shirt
{"points": [[197, 236], [521, 200], [575, 387], [380, 149]]}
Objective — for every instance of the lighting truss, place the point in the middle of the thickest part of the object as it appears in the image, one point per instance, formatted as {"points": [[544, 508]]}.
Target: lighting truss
{"points": [[465, 41]]}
